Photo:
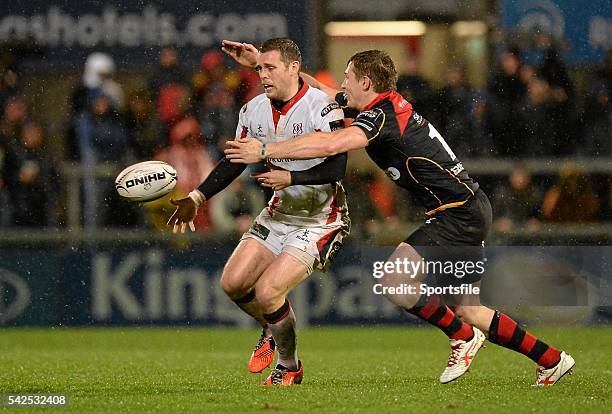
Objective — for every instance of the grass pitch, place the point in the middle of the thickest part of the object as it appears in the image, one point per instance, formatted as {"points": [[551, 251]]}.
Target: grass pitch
{"points": [[377, 370]]}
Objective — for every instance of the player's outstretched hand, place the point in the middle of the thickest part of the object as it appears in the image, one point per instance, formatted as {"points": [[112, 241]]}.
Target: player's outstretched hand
{"points": [[243, 53], [244, 151], [275, 179], [186, 210]]}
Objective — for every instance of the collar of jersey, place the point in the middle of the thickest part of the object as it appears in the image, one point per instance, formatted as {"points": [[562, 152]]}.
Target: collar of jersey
{"points": [[292, 101], [379, 98]]}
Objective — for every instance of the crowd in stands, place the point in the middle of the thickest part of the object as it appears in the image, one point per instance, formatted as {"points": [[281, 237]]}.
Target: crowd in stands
{"points": [[184, 116]]}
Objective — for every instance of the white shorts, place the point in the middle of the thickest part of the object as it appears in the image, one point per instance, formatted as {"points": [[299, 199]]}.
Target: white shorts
{"points": [[316, 246]]}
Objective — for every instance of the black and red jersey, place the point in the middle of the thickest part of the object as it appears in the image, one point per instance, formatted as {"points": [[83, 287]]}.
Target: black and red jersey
{"points": [[413, 153]]}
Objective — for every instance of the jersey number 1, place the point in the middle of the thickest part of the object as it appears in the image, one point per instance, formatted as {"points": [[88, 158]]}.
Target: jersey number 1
{"points": [[433, 133]]}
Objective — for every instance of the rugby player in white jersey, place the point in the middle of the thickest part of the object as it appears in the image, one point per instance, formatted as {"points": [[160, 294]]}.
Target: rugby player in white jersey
{"points": [[306, 220]]}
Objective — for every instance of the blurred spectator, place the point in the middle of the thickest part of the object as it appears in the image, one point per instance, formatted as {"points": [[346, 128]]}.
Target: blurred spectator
{"points": [[101, 133], [168, 72], [9, 78], [542, 123], [14, 117], [571, 199], [460, 109], [8, 172], [101, 137], [597, 116], [605, 73], [527, 72], [97, 80], [189, 156], [250, 85], [142, 127], [169, 90], [213, 71], [34, 193], [233, 209], [218, 117], [554, 71], [215, 93], [416, 89], [173, 104], [516, 202], [506, 91]]}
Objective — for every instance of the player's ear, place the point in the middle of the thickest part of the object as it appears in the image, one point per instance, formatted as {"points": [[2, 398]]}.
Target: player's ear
{"points": [[294, 66], [366, 83]]}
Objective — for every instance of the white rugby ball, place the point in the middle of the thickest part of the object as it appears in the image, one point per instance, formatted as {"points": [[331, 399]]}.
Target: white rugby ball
{"points": [[146, 181]]}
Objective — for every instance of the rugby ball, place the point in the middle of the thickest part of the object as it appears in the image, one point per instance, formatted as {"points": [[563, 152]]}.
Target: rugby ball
{"points": [[146, 181]]}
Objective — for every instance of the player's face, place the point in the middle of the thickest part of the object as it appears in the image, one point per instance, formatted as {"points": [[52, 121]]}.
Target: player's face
{"points": [[278, 79], [353, 88]]}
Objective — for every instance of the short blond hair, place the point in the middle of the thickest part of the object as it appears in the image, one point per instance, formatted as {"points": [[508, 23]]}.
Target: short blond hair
{"points": [[378, 66]]}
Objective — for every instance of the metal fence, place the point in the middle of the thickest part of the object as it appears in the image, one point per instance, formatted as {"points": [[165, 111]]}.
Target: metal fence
{"points": [[73, 231]]}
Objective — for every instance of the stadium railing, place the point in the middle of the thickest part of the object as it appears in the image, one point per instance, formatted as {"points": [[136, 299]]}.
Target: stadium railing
{"points": [[73, 231]]}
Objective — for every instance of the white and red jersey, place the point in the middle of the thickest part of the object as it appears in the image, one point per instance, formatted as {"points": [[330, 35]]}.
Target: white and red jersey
{"points": [[308, 111]]}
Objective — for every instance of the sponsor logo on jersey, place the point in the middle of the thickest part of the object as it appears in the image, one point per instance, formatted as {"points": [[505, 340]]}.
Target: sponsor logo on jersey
{"points": [[368, 127], [260, 231], [298, 128], [334, 125], [281, 159], [329, 108], [457, 168], [145, 179], [304, 236], [393, 173], [418, 118], [259, 129], [369, 113], [403, 103]]}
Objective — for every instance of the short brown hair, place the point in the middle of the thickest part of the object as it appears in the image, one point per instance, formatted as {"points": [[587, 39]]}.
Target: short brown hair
{"points": [[287, 48], [378, 66]]}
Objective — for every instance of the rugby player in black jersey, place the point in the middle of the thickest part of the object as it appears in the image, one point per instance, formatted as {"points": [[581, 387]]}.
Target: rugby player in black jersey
{"points": [[416, 157]]}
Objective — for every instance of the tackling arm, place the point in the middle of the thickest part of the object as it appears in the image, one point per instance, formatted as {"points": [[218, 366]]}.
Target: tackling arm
{"points": [[319, 144], [313, 145]]}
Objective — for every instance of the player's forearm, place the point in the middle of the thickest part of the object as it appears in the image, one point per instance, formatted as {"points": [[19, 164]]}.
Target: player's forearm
{"points": [[319, 144], [313, 145], [220, 177], [329, 171]]}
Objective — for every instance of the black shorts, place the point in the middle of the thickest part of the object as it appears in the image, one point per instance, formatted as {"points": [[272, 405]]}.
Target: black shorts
{"points": [[456, 235]]}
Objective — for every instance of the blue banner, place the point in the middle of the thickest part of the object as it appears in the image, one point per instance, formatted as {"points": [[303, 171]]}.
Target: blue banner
{"points": [[149, 285], [586, 26], [31, 287]]}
